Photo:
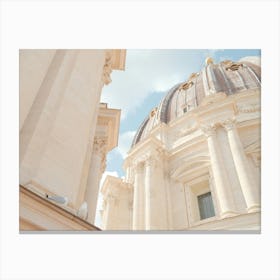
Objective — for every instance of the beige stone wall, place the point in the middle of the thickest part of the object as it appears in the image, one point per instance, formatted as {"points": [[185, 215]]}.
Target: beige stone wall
{"points": [[33, 66], [60, 113], [56, 133]]}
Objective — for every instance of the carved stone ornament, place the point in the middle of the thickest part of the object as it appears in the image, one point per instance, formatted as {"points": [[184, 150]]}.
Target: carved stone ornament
{"points": [[103, 164], [228, 124], [100, 146], [107, 69], [151, 161], [250, 108], [209, 130], [138, 166], [233, 66], [186, 85], [193, 75], [153, 112]]}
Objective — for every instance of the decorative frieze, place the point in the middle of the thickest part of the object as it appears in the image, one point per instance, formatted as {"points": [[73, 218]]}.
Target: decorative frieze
{"points": [[249, 108]]}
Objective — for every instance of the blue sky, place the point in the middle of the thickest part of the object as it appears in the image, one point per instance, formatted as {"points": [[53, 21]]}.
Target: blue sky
{"points": [[148, 75]]}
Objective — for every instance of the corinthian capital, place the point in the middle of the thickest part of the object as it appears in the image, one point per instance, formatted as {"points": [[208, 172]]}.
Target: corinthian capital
{"points": [[150, 161], [138, 166], [107, 69], [208, 130], [100, 145], [228, 124]]}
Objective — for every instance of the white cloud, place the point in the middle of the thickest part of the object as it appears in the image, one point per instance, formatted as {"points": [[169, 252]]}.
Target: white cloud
{"points": [[125, 140], [146, 72]]}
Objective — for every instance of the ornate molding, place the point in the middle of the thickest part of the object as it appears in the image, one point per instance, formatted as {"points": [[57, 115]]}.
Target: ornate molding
{"points": [[228, 124], [151, 161], [107, 68], [185, 132], [138, 166], [249, 108], [103, 165], [209, 130], [100, 145]]}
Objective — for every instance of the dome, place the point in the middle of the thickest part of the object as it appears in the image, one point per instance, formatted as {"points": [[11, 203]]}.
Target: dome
{"points": [[226, 76]]}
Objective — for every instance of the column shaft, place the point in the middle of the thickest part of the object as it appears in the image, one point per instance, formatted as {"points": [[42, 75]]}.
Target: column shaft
{"points": [[107, 221], [148, 186], [222, 184], [94, 176], [245, 175], [138, 200]]}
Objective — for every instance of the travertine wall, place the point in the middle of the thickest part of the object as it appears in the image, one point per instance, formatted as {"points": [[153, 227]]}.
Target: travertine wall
{"points": [[59, 110], [56, 132]]}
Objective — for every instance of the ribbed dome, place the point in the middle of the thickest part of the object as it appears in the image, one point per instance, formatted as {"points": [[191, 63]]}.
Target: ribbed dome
{"points": [[227, 76]]}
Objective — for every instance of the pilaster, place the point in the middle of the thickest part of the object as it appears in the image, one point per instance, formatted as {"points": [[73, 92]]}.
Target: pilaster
{"points": [[97, 167], [138, 198]]}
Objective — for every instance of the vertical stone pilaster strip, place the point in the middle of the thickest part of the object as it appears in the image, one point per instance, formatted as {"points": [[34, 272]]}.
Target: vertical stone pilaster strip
{"points": [[95, 172]]}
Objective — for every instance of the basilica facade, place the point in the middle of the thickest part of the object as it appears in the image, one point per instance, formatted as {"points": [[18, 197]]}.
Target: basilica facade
{"points": [[194, 163]]}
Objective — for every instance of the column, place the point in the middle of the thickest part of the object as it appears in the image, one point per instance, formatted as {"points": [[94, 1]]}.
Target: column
{"points": [[97, 167], [155, 193], [149, 164], [138, 198], [108, 220], [222, 184], [245, 175]]}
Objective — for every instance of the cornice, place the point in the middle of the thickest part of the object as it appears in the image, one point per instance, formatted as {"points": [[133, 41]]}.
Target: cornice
{"points": [[56, 208], [113, 185], [148, 145]]}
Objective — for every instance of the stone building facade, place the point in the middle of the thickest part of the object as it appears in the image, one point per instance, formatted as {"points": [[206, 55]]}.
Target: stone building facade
{"points": [[194, 163], [65, 134]]}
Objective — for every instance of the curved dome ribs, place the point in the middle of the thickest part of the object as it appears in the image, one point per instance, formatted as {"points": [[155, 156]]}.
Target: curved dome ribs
{"points": [[255, 72], [139, 132], [226, 76], [165, 104]]}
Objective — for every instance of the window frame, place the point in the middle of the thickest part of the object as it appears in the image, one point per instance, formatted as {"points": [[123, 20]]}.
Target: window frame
{"points": [[202, 200]]}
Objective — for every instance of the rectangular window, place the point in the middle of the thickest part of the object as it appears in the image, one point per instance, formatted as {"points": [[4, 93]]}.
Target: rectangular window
{"points": [[206, 207]]}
